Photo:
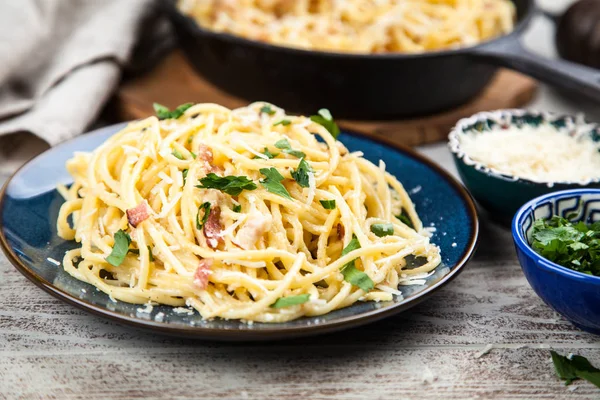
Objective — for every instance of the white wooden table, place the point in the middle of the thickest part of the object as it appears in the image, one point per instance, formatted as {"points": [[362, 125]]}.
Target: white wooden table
{"points": [[50, 350]]}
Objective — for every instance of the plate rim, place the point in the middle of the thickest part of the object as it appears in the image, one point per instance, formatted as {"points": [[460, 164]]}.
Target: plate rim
{"points": [[275, 331]]}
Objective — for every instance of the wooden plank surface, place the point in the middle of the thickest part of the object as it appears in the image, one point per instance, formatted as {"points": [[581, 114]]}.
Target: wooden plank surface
{"points": [[50, 350], [174, 82]]}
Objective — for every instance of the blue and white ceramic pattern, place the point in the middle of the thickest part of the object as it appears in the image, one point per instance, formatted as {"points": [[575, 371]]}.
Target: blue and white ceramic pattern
{"points": [[29, 206], [573, 294]]}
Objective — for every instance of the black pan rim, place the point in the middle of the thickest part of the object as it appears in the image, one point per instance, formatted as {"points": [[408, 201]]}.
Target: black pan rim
{"points": [[275, 332], [193, 26]]}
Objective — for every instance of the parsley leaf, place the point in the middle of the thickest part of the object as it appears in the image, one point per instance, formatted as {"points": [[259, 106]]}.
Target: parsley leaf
{"points": [[354, 244], [185, 173], [193, 155], [291, 301], [381, 230], [301, 175], [273, 182], [177, 154], [405, 219], [163, 112], [577, 367], [284, 145], [325, 118], [267, 110], [237, 208], [357, 277], [572, 245], [284, 122], [232, 185], [353, 274], [295, 153], [150, 255], [267, 153], [200, 222], [137, 251], [328, 204], [120, 248]]}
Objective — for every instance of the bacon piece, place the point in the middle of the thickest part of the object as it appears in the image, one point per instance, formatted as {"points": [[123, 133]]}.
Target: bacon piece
{"points": [[213, 227], [252, 230], [138, 214], [340, 231], [202, 273], [205, 154]]}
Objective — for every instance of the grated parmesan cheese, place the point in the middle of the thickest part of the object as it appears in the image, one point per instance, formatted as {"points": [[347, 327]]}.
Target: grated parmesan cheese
{"points": [[167, 207], [540, 154]]}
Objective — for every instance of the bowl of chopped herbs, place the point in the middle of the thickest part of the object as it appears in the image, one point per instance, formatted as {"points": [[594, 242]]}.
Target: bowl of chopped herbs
{"points": [[557, 238]]}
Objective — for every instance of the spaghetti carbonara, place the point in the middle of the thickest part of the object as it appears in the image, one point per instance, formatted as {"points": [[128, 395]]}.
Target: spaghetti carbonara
{"points": [[245, 214], [358, 26]]}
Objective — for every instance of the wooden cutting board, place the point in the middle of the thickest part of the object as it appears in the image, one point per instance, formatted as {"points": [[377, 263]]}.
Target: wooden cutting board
{"points": [[174, 82]]}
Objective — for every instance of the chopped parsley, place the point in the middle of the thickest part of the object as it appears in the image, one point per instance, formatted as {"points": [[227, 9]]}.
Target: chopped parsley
{"points": [[572, 245], [302, 174], [284, 122], [267, 110], [405, 219], [325, 118], [232, 185], [328, 204], [193, 155], [163, 112], [291, 301], [185, 174], [151, 256], [284, 145], [137, 252], [237, 208], [120, 248], [200, 222], [272, 182], [352, 274], [381, 230], [267, 153], [575, 367], [177, 154]]}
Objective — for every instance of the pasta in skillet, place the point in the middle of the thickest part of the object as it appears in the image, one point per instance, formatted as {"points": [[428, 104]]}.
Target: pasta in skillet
{"points": [[357, 26]]}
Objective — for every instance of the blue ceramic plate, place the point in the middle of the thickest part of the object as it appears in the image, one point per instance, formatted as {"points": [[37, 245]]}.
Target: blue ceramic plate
{"points": [[29, 205]]}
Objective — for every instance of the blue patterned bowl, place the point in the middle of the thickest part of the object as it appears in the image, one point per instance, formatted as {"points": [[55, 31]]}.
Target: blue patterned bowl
{"points": [[500, 194], [573, 294]]}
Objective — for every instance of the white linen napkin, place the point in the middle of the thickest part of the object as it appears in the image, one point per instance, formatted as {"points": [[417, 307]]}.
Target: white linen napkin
{"points": [[61, 60]]}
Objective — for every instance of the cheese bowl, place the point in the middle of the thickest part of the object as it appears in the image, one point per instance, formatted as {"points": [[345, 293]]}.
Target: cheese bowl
{"points": [[499, 193]]}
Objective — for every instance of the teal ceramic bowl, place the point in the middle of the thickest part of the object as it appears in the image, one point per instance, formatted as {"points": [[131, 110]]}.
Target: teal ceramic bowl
{"points": [[501, 195]]}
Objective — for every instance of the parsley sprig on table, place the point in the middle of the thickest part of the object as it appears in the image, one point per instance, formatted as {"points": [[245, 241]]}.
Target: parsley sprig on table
{"points": [[575, 367], [572, 245]]}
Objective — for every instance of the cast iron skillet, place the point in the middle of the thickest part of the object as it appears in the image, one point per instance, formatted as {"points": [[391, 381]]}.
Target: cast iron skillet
{"points": [[376, 86]]}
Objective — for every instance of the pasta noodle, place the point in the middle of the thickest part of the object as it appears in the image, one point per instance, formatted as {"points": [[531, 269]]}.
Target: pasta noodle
{"points": [[358, 26], [299, 226]]}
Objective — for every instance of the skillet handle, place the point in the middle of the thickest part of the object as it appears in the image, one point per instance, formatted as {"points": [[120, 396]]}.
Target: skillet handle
{"points": [[509, 52]]}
